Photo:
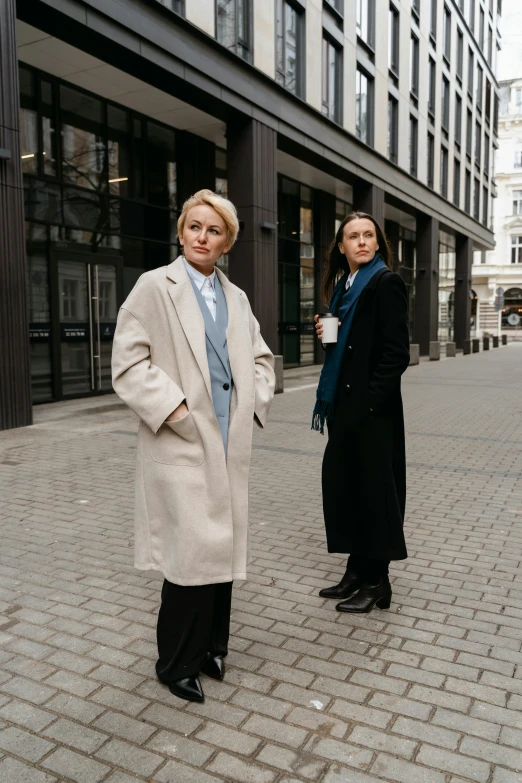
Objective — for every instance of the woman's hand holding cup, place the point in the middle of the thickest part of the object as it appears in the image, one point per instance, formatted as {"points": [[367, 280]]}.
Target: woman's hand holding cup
{"points": [[332, 325]]}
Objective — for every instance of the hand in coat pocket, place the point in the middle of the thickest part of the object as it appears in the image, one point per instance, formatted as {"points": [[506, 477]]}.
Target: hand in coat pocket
{"points": [[178, 442]]}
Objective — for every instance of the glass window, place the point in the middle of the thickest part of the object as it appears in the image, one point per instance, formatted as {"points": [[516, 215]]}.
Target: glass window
{"points": [[414, 65], [174, 5], [48, 126], [458, 120], [445, 103], [516, 250], [469, 134], [331, 87], [118, 150], [364, 107], [289, 46], [161, 166], [431, 86], [433, 19], [444, 172], [478, 143], [83, 144], [138, 179], [488, 100], [472, 15], [365, 21], [393, 128], [447, 33], [233, 26], [414, 143], [490, 44], [28, 121], [393, 40], [446, 292], [431, 160], [221, 172], [481, 28], [518, 159], [486, 154], [480, 85], [460, 53], [476, 200], [485, 206], [456, 182], [39, 311], [517, 202], [467, 194], [415, 8], [471, 67]]}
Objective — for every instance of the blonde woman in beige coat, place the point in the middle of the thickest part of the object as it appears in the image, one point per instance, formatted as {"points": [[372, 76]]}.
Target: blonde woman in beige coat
{"points": [[190, 361]]}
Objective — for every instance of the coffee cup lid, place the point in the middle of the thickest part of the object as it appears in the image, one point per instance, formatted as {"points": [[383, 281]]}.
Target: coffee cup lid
{"points": [[326, 315]]}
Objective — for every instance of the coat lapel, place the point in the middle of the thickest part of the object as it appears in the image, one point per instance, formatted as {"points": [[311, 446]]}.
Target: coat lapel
{"points": [[237, 333], [211, 327], [190, 315]]}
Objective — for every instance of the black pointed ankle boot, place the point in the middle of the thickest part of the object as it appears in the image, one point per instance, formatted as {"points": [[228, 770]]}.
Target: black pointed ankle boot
{"points": [[367, 597], [348, 585], [188, 688], [214, 667]]}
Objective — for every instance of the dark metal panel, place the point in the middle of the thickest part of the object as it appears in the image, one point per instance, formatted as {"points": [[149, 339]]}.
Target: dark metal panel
{"points": [[252, 186], [369, 198], [196, 164], [324, 226], [426, 284], [15, 377], [463, 273]]}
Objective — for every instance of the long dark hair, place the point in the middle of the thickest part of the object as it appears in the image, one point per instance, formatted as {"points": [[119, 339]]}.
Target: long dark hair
{"points": [[336, 263]]}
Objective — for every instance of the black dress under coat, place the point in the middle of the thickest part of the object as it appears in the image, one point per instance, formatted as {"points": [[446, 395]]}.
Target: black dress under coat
{"points": [[364, 464]]}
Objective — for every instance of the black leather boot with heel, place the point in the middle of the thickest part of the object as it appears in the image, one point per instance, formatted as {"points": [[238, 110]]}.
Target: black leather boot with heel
{"points": [[348, 585], [367, 597]]}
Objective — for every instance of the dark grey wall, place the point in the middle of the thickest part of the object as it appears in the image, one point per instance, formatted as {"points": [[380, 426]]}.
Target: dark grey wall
{"points": [[463, 264], [425, 323], [15, 378]]}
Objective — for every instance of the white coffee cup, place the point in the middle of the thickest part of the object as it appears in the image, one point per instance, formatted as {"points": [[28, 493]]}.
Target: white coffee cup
{"points": [[330, 324]]}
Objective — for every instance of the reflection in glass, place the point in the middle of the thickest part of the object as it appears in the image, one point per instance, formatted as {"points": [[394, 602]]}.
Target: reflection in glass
{"points": [[83, 147], [287, 43], [161, 166], [39, 313], [48, 128], [74, 327], [42, 201], [118, 150], [28, 122], [447, 260], [105, 310]]}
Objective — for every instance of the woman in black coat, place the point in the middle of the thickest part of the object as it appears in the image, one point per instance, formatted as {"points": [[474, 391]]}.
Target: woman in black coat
{"points": [[359, 398]]}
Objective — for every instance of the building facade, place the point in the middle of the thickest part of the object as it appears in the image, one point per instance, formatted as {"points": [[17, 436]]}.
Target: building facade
{"points": [[501, 268], [299, 110]]}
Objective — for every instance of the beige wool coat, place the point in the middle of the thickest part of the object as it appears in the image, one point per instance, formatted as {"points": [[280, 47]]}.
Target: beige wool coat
{"points": [[191, 499]]}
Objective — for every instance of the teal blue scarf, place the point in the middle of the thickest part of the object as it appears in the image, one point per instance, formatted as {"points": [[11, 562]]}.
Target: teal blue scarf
{"points": [[344, 303]]}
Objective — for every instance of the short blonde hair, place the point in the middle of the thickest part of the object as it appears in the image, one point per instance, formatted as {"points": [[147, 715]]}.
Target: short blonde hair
{"points": [[222, 206]]}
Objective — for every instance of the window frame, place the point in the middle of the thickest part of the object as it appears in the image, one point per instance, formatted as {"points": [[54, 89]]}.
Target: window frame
{"points": [[393, 131], [394, 40], [414, 146], [370, 110], [328, 42], [414, 65], [516, 244], [242, 50], [371, 14]]}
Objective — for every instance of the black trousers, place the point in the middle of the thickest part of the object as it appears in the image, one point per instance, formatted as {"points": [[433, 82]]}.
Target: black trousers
{"points": [[192, 622], [368, 568]]}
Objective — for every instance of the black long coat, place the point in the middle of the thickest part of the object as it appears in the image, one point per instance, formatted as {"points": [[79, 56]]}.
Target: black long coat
{"points": [[364, 465]]}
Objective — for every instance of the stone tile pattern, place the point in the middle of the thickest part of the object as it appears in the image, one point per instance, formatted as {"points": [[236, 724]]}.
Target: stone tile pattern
{"points": [[429, 691]]}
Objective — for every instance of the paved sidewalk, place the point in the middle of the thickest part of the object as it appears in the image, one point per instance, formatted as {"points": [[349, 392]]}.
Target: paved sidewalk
{"points": [[428, 692]]}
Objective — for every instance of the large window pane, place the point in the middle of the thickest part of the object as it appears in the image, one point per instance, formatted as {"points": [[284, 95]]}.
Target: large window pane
{"points": [[83, 145], [39, 312], [161, 166], [365, 21], [288, 46], [332, 59], [364, 107], [49, 136], [233, 26], [119, 150], [28, 122]]}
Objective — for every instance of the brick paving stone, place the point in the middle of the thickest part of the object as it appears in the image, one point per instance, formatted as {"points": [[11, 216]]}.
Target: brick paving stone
{"points": [[427, 692], [76, 767], [12, 771], [21, 743]]}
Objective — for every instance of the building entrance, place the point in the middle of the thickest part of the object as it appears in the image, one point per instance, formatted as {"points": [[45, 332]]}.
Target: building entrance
{"points": [[86, 306]]}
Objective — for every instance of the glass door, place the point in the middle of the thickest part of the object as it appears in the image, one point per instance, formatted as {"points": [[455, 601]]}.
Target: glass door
{"points": [[88, 293]]}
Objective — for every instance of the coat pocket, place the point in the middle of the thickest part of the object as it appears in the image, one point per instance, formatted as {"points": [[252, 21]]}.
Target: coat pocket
{"points": [[178, 443]]}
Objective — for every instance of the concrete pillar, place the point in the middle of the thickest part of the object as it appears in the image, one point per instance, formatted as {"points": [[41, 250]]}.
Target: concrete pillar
{"points": [[15, 373], [451, 350], [324, 228], [196, 164], [414, 354], [463, 263], [425, 319], [475, 345], [485, 343], [466, 348], [252, 187], [369, 198], [434, 351]]}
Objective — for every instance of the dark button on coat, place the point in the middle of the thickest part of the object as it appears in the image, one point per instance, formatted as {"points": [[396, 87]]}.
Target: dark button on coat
{"points": [[364, 465]]}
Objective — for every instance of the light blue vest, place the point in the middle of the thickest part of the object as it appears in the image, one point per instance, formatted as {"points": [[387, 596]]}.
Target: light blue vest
{"points": [[217, 355]]}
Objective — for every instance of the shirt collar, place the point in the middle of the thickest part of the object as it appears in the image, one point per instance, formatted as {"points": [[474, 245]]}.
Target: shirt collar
{"points": [[198, 277], [351, 278]]}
